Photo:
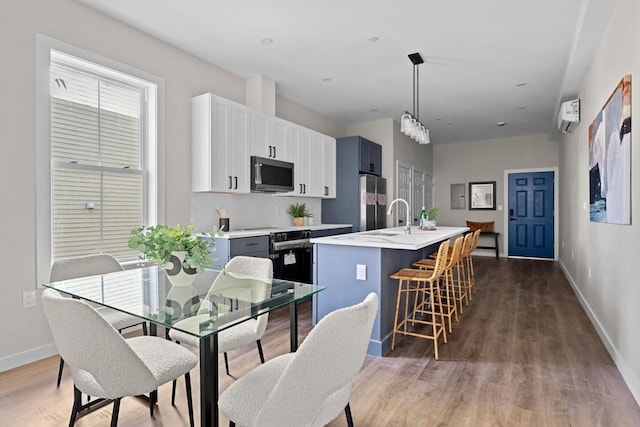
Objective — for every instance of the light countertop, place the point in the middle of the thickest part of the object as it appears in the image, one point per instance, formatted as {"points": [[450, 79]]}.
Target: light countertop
{"points": [[392, 238], [234, 234]]}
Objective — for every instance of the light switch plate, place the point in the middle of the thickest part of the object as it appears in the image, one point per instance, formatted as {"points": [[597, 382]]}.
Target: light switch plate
{"points": [[361, 272]]}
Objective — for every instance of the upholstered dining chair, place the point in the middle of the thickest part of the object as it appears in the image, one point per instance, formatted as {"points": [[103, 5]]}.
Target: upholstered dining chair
{"points": [[91, 265], [311, 386], [246, 332], [106, 365]]}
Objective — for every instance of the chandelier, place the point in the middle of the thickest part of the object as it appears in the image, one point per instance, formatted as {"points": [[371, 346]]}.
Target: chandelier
{"points": [[410, 122]]}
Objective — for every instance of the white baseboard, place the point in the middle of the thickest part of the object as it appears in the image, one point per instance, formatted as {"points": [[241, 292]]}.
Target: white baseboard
{"points": [[621, 364], [33, 355]]}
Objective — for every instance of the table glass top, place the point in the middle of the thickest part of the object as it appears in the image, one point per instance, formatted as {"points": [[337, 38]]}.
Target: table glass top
{"points": [[216, 300]]}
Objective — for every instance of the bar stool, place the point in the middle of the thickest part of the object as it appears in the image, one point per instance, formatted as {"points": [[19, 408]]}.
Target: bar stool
{"points": [[473, 245], [455, 291], [426, 300]]}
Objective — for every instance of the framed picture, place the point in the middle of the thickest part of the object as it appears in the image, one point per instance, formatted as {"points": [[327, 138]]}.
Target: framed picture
{"points": [[482, 195]]}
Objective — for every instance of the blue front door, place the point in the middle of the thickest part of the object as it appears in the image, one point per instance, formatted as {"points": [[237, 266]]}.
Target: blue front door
{"points": [[531, 214]]}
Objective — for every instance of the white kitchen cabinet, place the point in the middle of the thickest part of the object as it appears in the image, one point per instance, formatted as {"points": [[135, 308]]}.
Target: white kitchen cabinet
{"points": [[298, 149], [328, 167], [268, 136], [220, 147]]}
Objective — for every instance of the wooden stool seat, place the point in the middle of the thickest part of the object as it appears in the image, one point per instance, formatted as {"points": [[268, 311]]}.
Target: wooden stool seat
{"points": [[450, 292], [421, 291]]}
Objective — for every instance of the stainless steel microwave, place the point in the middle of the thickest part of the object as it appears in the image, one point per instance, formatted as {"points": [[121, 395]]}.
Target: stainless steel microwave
{"points": [[270, 175]]}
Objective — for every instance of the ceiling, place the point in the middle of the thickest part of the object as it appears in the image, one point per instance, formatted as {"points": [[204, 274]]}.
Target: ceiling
{"points": [[486, 61]]}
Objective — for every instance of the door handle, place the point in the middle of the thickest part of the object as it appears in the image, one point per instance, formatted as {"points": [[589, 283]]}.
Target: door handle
{"points": [[513, 219]]}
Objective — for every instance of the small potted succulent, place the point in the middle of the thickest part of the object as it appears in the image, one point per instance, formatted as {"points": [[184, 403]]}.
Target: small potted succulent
{"points": [[299, 212], [177, 249]]}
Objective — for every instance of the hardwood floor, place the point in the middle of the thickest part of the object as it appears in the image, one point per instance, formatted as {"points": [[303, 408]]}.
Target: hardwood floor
{"points": [[523, 354]]}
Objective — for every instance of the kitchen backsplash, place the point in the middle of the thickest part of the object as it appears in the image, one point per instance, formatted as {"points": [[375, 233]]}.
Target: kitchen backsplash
{"points": [[247, 210]]}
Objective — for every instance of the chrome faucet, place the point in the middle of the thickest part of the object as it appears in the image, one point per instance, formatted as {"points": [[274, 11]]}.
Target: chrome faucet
{"points": [[407, 228]]}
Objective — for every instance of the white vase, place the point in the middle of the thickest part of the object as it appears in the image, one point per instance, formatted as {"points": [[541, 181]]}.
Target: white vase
{"points": [[179, 274], [182, 299]]}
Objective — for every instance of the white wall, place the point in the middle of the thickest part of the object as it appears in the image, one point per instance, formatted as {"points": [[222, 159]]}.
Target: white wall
{"points": [[24, 334], [611, 295], [461, 163]]}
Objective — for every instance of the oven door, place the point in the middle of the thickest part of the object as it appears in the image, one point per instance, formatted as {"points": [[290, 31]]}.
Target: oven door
{"points": [[293, 264]]}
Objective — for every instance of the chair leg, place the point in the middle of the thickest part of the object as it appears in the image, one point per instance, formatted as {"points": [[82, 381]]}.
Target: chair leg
{"points": [[226, 363], [114, 414], [153, 399], [144, 328], [187, 383], [77, 402], [173, 392], [60, 372], [347, 412], [260, 351], [232, 424]]}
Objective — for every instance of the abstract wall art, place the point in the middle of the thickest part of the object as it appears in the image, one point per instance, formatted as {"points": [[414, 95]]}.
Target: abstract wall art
{"points": [[610, 158]]}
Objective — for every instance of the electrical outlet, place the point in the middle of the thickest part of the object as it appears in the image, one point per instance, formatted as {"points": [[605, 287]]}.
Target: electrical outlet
{"points": [[361, 272], [28, 299]]}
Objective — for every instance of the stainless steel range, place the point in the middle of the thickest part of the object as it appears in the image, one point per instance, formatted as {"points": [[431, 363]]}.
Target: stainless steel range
{"points": [[291, 252]]}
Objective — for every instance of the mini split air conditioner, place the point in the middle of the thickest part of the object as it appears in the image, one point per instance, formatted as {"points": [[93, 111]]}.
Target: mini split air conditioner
{"points": [[569, 115]]}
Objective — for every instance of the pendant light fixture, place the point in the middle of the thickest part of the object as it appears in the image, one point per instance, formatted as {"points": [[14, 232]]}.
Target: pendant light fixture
{"points": [[410, 122]]}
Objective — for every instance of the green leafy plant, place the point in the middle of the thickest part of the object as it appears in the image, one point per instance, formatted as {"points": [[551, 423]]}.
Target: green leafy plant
{"points": [[299, 210], [159, 241], [432, 213]]}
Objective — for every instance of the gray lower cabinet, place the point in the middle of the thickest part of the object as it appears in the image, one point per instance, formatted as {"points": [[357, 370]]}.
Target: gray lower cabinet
{"points": [[226, 249]]}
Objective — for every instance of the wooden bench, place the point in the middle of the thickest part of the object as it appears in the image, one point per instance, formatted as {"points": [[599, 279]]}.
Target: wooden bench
{"points": [[495, 239]]}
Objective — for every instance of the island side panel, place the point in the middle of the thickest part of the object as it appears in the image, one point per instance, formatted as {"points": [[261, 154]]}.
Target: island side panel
{"points": [[335, 267]]}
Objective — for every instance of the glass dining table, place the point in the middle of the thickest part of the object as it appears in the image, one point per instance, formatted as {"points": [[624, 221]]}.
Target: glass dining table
{"points": [[216, 300]]}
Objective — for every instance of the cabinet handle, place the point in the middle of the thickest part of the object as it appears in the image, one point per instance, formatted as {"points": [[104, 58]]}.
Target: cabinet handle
{"points": [[326, 191], [371, 167], [301, 189], [235, 178], [274, 152], [304, 187], [230, 185]]}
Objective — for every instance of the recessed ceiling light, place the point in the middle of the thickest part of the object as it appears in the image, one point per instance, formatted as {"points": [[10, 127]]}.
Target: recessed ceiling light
{"points": [[327, 79], [373, 39], [501, 123], [521, 84], [267, 40]]}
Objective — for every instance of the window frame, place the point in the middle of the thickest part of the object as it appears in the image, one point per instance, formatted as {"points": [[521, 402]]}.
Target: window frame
{"points": [[152, 155]]}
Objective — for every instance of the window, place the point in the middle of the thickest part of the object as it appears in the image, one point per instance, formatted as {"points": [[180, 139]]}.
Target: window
{"points": [[101, 162]]}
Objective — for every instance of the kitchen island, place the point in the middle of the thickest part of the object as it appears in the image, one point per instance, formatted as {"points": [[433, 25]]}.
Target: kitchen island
{"points": [[352, 265]]}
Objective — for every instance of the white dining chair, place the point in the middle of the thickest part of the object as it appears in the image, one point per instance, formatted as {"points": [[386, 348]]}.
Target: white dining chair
{"points": [[246, 332], [106, 365], [91, 265], [311, 386]]}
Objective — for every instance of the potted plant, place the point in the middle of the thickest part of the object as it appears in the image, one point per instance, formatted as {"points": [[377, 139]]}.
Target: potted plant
{"points": [[299, 211], [176, 248], [432, 214]]}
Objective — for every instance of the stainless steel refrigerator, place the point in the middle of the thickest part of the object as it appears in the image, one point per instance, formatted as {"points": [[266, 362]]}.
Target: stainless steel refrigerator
{"points": [[373, 202]]}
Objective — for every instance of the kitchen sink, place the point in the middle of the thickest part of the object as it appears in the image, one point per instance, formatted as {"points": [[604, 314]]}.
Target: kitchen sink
{"points": [[383, 233]]}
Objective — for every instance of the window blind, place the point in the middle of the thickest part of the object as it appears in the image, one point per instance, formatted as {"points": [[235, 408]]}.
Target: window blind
{"points": [[97, 175]]}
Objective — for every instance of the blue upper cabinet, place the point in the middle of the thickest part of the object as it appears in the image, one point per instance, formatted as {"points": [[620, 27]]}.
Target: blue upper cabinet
{"points": [[370, 155]]}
